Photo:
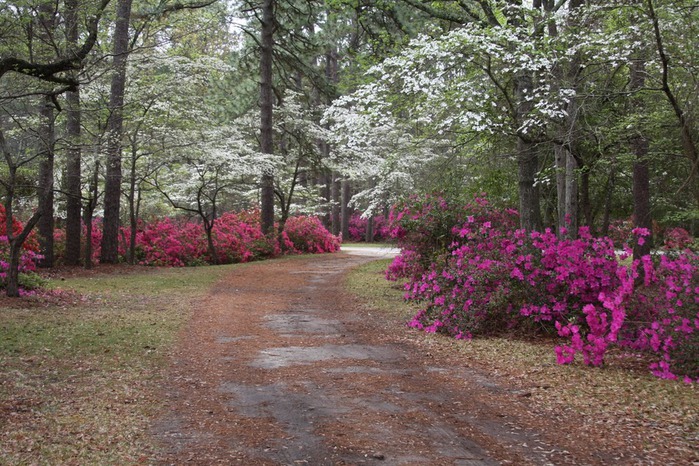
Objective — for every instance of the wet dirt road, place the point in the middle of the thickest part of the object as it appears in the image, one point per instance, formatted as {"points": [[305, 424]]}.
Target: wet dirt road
{"points": [[278, 367]]}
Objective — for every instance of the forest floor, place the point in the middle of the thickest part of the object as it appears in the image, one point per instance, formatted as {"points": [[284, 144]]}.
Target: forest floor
{"points": [[279, 364]]}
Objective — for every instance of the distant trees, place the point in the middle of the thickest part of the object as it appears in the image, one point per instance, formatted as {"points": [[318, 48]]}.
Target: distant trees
{"points": [[578, 113], [545, 86]]}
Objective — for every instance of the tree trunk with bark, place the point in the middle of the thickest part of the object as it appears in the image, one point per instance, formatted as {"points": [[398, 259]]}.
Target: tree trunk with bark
{"points": [[266, 113], [46, 197], [641, 178], [344, 209], [47, 134], [74, 154], [112, 189]]}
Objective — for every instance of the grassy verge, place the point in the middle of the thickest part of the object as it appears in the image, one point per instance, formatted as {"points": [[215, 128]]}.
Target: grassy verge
{"points": [[79, 371], [620, 396]]}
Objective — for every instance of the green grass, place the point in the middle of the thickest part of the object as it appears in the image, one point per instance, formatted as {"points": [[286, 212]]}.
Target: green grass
{"points": [[79, 373], [369, 283]]}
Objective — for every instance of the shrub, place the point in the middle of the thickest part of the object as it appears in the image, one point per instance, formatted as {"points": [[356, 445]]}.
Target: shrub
{"points": [[492, 278], [237, 237], [677, 238], [307, 234], [358, 225]]}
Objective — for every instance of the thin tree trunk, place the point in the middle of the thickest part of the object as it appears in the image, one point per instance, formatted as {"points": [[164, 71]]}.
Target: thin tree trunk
{"points": [[641, 178], [560, 161], [344, 209], [266, 113], [585, 202], [336, 202], [684, 119], [112, 188]]}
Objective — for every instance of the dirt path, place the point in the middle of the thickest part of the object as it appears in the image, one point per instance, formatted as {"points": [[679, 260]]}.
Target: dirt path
{"points": [[278, 367]]}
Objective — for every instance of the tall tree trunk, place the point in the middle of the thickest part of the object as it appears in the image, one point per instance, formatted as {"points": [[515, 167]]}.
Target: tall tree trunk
{"points": [[112, 188], [46, 197], [47, 134], [641, 179], [266, 113], [73, 132]]}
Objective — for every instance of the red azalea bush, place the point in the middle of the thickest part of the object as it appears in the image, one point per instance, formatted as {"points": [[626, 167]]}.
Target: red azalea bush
{"points": [[481, 275], [307, 234], [237, 237], [169, 242]]}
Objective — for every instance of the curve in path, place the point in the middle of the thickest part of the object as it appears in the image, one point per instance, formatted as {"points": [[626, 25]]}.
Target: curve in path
{"points": [[277, 366]]}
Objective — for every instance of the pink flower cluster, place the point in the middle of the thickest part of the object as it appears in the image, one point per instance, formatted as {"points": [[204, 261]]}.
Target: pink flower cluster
{"points": [[677, 238], [358, 226], [305, 234], [482, 276]]}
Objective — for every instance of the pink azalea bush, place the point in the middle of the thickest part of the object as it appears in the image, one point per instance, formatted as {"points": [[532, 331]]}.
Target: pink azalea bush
{"points": [[482, 275], [677, 238], [358, 225], [304, 234]]}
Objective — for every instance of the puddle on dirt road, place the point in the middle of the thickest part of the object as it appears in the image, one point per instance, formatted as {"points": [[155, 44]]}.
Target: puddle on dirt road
{"points": [[274, 358]]}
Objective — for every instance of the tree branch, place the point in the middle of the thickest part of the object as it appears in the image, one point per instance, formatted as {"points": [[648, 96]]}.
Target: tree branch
{"points": [[48, 71]]}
